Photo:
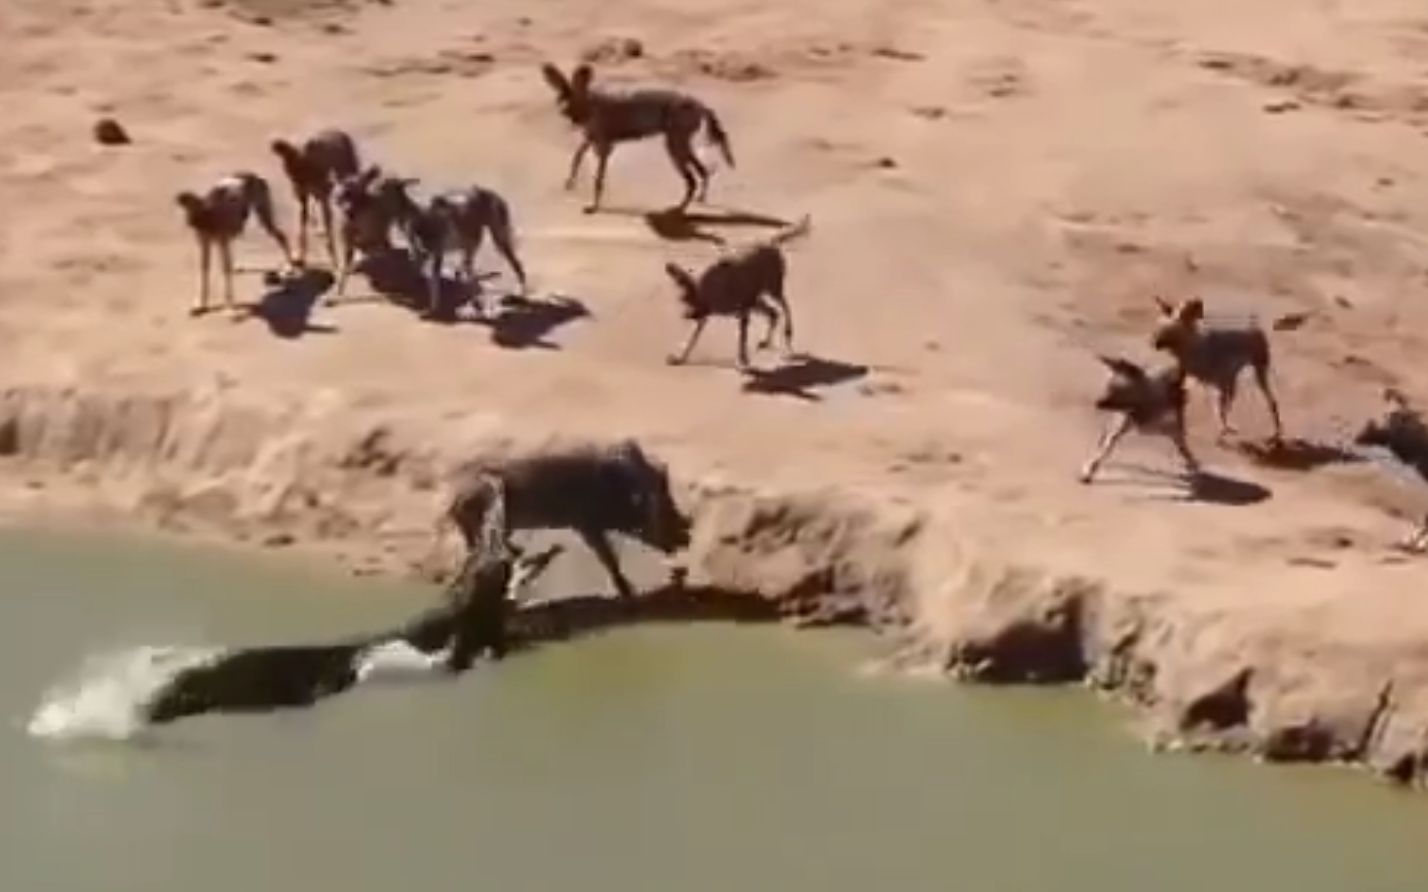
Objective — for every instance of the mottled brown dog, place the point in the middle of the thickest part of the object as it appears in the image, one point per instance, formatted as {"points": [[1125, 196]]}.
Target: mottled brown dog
{"points": [[314, 169], [1145, 402], [218, 216], [607, 118]]}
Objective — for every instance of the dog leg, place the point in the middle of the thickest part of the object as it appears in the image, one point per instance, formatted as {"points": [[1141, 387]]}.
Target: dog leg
{"points": [[1177, 436], [344, 269], [325, 206], [744, 340], [1108, 442], [502, 235], [703, 173], [683, 355], [1261, 375], [776, 292], [433, 281], [575, 161], [602, 162], [225, 256], [205, 264], [1225, 392], [468, 275], [304, 220], [682, 154], [771, 315]]}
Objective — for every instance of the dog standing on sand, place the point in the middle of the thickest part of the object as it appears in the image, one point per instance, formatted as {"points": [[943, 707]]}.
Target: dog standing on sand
{"points": [[737, 285], [1153, 403], [1215, 355], [314, 168], [608, 117], [218, 216]]}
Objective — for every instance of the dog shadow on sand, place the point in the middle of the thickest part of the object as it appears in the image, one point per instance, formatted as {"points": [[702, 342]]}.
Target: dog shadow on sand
{"points": [[516, 322], [683, 225], [399, 280], [1207, 487], [1296, 454], [802, 376], [288, 302]]}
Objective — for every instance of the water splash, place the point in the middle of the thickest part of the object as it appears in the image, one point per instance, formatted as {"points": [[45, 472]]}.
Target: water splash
{"points": [[107, 697], [399, 661]]}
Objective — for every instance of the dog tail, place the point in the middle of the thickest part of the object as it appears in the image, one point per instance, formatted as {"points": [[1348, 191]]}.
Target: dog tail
{"points": [[260, 199], [718, 135], [796, 231]]}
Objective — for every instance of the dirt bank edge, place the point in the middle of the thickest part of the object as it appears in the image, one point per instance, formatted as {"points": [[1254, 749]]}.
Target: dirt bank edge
{"points": [[366, 484]]}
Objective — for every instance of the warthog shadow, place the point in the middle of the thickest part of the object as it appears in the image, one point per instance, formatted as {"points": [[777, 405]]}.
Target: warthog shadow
{"points": [[568, 618]]}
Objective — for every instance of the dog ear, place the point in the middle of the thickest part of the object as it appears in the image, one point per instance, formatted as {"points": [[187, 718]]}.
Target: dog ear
{"points": [[1165, 308], [1395, 398], [1192, 311], [580, 79], [557, 81], [283, 148]]}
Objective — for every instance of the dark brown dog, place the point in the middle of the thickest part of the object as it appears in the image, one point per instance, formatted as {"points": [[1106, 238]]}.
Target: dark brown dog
{"points": [[314, 169], [736, 286], [607, 118], [1139, 401], [218, 216]]}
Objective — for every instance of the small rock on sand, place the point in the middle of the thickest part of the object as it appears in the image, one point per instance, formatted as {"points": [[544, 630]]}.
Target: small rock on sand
{"points": [[109, 132]]}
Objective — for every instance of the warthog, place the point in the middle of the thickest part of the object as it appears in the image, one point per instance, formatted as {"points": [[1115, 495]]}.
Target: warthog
{"points": [[593, 491]]}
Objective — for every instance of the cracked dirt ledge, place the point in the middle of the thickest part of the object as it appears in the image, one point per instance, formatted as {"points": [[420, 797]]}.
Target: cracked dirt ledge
{"points": [[1322, 681]]}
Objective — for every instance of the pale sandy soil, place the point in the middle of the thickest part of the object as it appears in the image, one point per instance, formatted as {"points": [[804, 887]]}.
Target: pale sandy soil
{"points": [[997, 188]]}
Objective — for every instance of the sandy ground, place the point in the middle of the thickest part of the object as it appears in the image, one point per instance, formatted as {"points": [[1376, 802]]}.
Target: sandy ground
{"points": [[997, 189]]}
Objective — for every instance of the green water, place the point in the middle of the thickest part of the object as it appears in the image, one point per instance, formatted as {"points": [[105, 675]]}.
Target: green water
{"points": [[691, 759]]}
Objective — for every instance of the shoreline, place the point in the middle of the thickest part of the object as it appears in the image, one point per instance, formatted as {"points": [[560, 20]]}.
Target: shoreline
{"points": [[1216, 676]]}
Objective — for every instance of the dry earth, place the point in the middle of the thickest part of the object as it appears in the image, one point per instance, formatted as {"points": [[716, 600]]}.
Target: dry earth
{"points": [[997, 188]]}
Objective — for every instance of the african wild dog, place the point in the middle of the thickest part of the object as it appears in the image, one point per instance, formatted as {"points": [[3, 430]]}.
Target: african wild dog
{"points": [[607, 118], [1150, 403], [736, 285], [372, 204], [314, 169], [459, 220], [218, 216], [1216, 354]]}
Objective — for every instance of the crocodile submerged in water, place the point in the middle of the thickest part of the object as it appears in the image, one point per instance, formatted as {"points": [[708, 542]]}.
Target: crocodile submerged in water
{"points": [[470, 620]]}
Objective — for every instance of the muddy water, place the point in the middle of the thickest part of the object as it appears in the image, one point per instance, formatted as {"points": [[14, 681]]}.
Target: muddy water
{"points": [[709, 758]]}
